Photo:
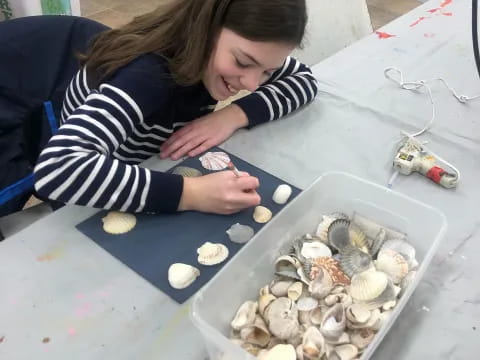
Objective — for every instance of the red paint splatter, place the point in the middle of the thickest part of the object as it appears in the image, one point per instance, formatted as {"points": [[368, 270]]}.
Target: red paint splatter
{"points": [[445, 3], [1, 339], [447, 13], [433, 10], [384, 35], [420, 19], [429, 35]]}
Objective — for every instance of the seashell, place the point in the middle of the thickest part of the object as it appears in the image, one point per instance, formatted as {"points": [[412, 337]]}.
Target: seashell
{"points": [[358, 238], [252, 349], [307, 303], [389, 305], [339, 234], [343, 339], [239, 233], [297, 339], [295, 291], [286, 263], [315, 249], [402, 247], [264, 301], [274, 341], [299, 351], [116, 222], [212, 254], [256, 334], [380, 319], [333, 323], [362, 338], [346, 352], [378, 241], [313, 343], [353, 261], [338, 289], [345, 299], [215, 160], [282, 318], [181, 275], [357, 315], [264, 290], [393, 264], [368, 285], [331, 300], [279, 352], [372, 229], [332, 266], [321, 285], [245, 315], [280, 288], [406, 282], [281, 194], [186, 171], [322, 228], [261, 214], [316, 315]]}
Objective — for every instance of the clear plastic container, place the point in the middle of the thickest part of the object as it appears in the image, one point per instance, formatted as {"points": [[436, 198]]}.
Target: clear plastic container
{"points": [[216, 303]]}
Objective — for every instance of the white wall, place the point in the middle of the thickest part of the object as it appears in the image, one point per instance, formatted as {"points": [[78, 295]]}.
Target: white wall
{"points": [[333, 25]]}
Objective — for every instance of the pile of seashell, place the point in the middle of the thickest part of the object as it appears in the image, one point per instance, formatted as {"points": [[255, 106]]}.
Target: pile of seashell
{"points": [[333, 291]]}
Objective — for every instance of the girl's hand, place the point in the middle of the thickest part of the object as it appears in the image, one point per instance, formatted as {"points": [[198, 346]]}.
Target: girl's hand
{"points": [[203, 133], [220, 193]]}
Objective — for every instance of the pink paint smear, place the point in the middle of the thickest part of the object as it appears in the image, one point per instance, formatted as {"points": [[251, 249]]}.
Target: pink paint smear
{"points": [[72, 331], [418, 21], [445, 3], [384, 35]]}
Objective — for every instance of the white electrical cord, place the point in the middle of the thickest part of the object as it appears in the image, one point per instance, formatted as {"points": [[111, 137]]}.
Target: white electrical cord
{"points": [[416, 85]]}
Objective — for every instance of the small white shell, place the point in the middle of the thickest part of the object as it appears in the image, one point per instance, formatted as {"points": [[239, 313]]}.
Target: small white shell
{"points": [[117, 222], [295, 291], [393, 264], [239, 233], [281, 194], [212, 254], [314, 249], [215, 160], [181, 275], [279, 352], [245, 315], [261, 214], [368, 285], [307, 303]]}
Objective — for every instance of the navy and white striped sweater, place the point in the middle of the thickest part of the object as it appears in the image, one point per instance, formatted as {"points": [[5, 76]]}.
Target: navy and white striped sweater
{"points": [[106, 132]]}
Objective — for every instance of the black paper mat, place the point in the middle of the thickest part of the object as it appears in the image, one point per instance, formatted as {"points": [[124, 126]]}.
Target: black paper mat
{"points": [[157, 241]]}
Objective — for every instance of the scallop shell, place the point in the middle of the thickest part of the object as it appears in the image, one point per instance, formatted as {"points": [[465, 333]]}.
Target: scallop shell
{"points": [[261, 214], [215, 160], [393, 264], [281, 194], [314, 249], [339, 234], [116, 222], [186, 171], [333, 268], [378, 241], [321, 285], [402, 247], [353, 261], [181, 275], [245, 315], [406, 281], [239, 233], [322, 228], [212, 254], [372, 288]]}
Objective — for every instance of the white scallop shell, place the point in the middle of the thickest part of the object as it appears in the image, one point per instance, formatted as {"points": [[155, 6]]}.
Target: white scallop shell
{"points": [[212, 254], [402, 247], [181, 275], [117, 222], [322, 228], [281, 194], [393, 264], [368, 285], [215, 160], [261, 214], [239, 233], [314, 249]]}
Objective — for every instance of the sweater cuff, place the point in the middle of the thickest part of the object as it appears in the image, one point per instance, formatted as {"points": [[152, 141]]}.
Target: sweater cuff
{"points": [[254, 106], [164, 193]]}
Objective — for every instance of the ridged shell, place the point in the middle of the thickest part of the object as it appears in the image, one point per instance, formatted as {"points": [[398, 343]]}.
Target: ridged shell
{"points": [[116, 222], [261, 214], [402, 247], [368, 285], [212, 254], [332, 266], [215, 160], [393, 264], [353, 261], [281, 194], [239, 233], [378, 241], [339, 234], [181, 275], [322, 228], [186, 171]]}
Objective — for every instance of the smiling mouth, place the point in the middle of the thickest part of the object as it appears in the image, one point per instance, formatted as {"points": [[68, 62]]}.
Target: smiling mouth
{"points": [[229, 87]]}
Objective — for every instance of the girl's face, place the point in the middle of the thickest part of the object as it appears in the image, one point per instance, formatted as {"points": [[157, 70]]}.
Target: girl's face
{"points": [[240, 64]]}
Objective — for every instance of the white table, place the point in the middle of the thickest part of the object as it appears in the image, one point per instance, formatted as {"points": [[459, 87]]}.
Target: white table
{"points": [[59, 287]]}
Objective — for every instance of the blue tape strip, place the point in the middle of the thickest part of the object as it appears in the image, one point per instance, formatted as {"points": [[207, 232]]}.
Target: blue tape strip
{"points": [[51, 116], [16, 189]]}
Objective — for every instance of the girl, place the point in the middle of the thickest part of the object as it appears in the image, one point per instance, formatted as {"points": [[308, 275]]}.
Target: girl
{"points": [[150, 87]]}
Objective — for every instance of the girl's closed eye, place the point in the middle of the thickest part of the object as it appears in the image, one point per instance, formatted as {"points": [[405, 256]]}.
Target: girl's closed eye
{"points": [[240, 64]]}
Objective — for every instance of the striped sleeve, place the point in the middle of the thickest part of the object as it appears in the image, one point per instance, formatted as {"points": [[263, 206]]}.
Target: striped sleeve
{"points": [[77, 166], [289, 88]]}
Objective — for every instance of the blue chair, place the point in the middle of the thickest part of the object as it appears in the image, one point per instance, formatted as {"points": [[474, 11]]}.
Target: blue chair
{"points": [[37, 62]]}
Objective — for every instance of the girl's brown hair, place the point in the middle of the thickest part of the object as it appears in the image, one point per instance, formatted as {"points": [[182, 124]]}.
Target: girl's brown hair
{"points": [[184, 33]]}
